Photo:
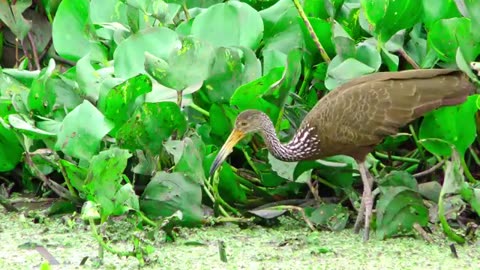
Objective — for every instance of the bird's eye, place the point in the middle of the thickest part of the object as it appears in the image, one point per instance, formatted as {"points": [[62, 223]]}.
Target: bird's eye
{"points": [[243, 124]]}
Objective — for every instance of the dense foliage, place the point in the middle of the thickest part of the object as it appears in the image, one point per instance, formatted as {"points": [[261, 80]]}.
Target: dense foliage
{"points": [[121, 107]]}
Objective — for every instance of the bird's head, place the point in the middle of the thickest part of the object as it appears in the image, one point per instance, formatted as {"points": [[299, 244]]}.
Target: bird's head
{"points": [[248, 121]]}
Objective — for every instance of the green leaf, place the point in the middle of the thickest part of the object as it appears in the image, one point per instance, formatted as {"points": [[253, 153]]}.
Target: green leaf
{"points": [[229, 24], [76, 175], [187, 65], [473, 8], [168, 192], [399, 178], [11, 16], [283, 33], [391, 16], [430, 190], [249, 96], [452, 124], [130, 54], [150, 125], [340, 72], [425, 56], [398, 209], [10, 149], [452, 184], [332, 216], [104, 179], [191, 161], [20, 124], [434, 10], [269, 93], [82, 131], [447, 35], [221, 119], [69, 30], [119, 103], [338, 170], [232, 67], [42, 96], [126, 200]]}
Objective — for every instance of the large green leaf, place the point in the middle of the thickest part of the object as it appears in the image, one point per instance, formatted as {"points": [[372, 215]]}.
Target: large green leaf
{"points": [[186, 65], [104, 179], [232, 67], [390, 16], [434, 10], [42, 96], [168, 192], [473, 8], [283, 34], [11, 16], [269, 93], [10, 149], [229, 24], [453, 124], [120, 102], [82, 131], [365, 61], [70, 29], [191, 161], [447, 35], [130, 54], [332, 216], [150, 125]]}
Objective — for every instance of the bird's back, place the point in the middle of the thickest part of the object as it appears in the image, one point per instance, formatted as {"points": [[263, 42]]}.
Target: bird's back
{"points": [[356, 116]]}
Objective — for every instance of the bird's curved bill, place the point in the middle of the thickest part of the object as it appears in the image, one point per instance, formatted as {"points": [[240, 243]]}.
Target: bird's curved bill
{"points": [[226, 149]]}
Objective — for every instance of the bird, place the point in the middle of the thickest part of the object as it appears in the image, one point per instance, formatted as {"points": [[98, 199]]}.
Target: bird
{"points": [[355, 117]]}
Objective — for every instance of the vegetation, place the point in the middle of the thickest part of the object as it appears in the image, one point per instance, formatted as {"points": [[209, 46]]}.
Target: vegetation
{"points": [[118, 108]]}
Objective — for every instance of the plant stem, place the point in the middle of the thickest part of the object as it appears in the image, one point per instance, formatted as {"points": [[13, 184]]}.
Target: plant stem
{"points": [[146, 219], [200, 110], [320, 48], [474, 155], [250, 162], [105, 245], [306, 77], [207, 188], [415, 138], [466, 170], [397, 158], [218, 198]]}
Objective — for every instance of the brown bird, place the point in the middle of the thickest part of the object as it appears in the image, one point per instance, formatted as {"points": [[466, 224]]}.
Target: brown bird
{"points": [[354, 118]]}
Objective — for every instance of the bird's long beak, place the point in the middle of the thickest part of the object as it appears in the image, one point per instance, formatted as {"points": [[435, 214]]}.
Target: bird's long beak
{"points": [[227, 148]]}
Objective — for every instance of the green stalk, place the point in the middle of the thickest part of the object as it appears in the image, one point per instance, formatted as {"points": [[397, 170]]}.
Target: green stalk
{"points": [[315, 39], [397, 158]]}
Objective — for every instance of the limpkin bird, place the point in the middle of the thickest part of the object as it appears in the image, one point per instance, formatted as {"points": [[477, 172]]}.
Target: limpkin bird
{"points": [[355, 117]]}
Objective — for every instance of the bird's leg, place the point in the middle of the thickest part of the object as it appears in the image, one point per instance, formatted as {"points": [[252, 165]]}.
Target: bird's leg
{"points": [[360, 215], [366, 205]]}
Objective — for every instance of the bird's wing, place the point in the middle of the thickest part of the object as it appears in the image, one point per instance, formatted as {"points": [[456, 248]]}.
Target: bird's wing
{"points": [[364, 113]]}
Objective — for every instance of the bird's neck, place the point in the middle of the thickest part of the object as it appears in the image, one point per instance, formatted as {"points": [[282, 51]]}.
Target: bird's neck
{"points": [[302, 146]]}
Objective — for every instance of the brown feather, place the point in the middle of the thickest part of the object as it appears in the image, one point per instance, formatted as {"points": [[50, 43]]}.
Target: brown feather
{"points": [[356, 116]]}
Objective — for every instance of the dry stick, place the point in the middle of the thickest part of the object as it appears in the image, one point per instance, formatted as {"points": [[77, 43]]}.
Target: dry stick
{"points": [[407, 57], [430, 170], [34, 51], [422, 232], [25, 52], [58, 189], [296, 208], [310, 30], [185, 10]]}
